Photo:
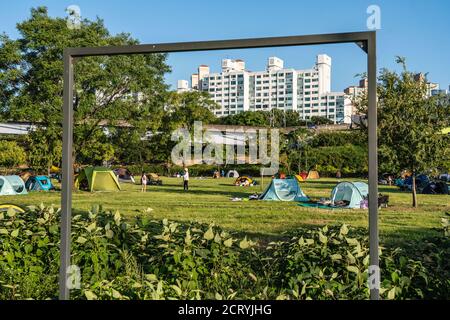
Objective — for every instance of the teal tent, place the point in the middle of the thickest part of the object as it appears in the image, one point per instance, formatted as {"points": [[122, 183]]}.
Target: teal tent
{"points": [[39, 183], [349, 194], [12, 185], [284, 190]]}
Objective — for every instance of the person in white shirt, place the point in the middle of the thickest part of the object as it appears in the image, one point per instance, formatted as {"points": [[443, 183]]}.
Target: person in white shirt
{"points": [[186, 179], [143, 182]]}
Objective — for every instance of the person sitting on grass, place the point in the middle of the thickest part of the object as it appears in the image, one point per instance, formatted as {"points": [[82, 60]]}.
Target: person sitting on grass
{"points": [[186, 179], [143, 182]]}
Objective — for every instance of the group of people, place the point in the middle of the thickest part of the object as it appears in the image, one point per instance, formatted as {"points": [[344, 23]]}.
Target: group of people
{"points": [[218, 174], [144, 180]]}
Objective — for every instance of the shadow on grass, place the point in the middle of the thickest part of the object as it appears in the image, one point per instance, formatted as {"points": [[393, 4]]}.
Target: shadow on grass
{"points": [[177, 189]]}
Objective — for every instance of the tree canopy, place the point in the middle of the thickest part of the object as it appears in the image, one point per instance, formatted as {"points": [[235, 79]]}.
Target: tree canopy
{"points": [[107, 89], [409, 123]]}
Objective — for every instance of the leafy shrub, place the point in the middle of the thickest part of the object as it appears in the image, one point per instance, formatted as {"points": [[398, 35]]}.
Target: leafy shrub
{"points": [[349, 159], [167, 260], [11, 154]]}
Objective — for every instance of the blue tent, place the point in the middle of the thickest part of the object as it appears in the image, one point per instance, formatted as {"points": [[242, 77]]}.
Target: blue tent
{"points": [[350, 193], [12, 185], [284, 190], [39, 183]]}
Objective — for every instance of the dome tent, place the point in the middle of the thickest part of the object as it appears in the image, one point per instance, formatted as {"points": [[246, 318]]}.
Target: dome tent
{"points": [[12, 185], [124, 175], [284, 190], [97, 179], [232, 174], [39, 183], [350, 194], [313, 174]]}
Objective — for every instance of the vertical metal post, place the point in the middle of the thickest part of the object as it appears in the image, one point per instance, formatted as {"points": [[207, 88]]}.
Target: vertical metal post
{"points": [[67, 177], [373, 157]]}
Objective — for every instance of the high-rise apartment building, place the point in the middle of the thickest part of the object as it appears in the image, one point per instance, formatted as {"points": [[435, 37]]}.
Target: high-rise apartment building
{"points": [[308, 92]]}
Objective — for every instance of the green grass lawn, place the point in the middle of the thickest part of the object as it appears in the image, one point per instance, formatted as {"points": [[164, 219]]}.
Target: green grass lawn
{"points": [[209, 201]]}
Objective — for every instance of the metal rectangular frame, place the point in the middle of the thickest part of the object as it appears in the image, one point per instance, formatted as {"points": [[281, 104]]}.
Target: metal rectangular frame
{"points": [[365, 40]]}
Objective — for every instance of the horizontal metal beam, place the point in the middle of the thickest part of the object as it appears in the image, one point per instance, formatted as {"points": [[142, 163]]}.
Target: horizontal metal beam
{"points": [[361, 37]]}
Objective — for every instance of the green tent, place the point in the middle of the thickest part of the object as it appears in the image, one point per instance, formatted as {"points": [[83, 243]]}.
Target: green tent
{"points": [[97, 179], [284, 190], [12, 185]]}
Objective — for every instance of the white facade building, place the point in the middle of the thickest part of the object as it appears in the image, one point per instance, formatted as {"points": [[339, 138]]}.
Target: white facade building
{"points": [[308, 92]]}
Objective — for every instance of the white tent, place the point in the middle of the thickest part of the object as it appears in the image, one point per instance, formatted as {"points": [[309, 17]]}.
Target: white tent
{"points": [[232, 174], [12, 185]]}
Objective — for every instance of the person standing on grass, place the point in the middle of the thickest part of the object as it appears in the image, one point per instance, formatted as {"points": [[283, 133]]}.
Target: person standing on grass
{"points": [[186, 179], [143, 182]]}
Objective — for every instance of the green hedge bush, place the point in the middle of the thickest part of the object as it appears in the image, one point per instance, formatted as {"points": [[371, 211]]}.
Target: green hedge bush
{"points": [[167, 260]]}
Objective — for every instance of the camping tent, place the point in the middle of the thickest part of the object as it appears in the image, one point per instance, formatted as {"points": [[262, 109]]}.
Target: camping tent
{"points": [[438, 187], [97, 179], [313, 174], [349, 194], [284, 190], [154, 179], [232, 174], [12, 185], [124, 175], [244, 181], [38, 183], [304, 175]]}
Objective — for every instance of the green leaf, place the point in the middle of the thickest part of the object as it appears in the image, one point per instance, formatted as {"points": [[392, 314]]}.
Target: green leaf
{"points": [[117, 218], [11, 212], [116, 294], [15, 233], [90, 295], [91, 227], [188, 238], [228, 243], [394, 276], [81, 240], [244, 244], [217, 238], [353, 269], [209, 235], [336, 256], [322, 238], [391, 294], [109, 234], [352, 241], [177, 289], [344, 229]]}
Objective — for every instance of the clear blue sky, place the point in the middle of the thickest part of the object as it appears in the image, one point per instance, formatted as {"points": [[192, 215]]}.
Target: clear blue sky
{"points": [[416, 29]]}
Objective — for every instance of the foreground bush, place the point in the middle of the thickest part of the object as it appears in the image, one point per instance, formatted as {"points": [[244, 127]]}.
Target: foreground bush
{"points": [[165, 260]]}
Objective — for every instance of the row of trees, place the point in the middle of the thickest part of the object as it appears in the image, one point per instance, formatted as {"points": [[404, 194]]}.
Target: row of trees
{"points": [[275, 118], [125, 96]]}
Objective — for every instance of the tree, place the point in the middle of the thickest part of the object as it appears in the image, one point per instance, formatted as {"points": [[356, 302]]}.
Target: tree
{"points": [[409, 124], [11, 154], [108, 90], [181, 111]]}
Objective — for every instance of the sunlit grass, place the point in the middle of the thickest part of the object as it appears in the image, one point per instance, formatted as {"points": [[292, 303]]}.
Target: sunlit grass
{"points": [[208, 200]]}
